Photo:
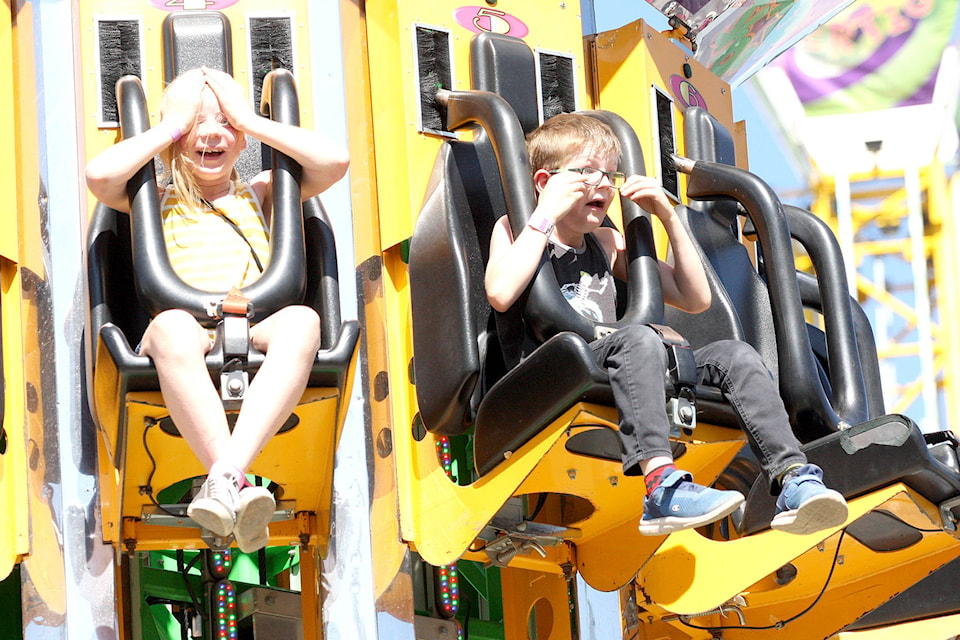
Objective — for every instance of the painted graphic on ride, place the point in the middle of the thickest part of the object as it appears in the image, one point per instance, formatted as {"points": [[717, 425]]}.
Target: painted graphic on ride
{"points": [[180, 5], [687, 94], [479, 19]]}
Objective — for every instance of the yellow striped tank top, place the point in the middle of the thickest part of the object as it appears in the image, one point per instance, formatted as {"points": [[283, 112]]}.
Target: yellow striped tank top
{"points": [[204, 251]]}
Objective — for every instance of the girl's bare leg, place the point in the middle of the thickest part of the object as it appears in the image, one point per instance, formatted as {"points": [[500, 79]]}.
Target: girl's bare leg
{"points": [[290, 339], [177, 344]]}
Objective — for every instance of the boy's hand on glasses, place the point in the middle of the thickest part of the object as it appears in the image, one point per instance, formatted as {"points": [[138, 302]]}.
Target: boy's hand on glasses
{"points": [[561, 193], [648, 194]]}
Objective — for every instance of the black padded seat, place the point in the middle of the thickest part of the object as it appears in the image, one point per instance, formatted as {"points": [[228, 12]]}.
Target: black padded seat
{"points": [[120, 320], [842, 381], [560, 373], [455, 342], [934, 596], [119, 312]]}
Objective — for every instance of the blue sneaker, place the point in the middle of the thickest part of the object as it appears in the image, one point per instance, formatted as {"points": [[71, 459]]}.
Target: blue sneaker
{"points": [[678, 504], [805, 505]]}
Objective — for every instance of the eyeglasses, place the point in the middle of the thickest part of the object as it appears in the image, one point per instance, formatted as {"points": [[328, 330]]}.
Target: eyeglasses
{"points": [[595, 176]]}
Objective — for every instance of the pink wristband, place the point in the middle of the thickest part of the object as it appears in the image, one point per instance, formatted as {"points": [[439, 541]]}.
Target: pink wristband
{"points": [[175, 133]]}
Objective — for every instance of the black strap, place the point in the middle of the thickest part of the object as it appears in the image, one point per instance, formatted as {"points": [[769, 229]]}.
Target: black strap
{"points": [[235, 227]]}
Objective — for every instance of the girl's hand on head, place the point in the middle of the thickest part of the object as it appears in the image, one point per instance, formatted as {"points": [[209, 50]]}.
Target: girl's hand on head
{"points": [[182, 100], [231, 96], [560, 193], [648, 194]]}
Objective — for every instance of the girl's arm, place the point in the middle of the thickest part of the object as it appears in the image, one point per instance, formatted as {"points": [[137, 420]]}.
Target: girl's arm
{"points": [[107, 173], [324, 161]]}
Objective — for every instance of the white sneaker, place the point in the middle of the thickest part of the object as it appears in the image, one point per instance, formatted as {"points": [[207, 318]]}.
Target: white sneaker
{"points": [[254, 514], [215, 505]]}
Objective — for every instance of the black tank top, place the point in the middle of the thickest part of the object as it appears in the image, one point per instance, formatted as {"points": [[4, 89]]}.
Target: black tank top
{"points": [[586, 282], [585, 279]]}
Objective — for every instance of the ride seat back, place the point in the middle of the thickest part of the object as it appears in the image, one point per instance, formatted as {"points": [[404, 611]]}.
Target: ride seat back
{"points": [[740, 309], [457, 356]]}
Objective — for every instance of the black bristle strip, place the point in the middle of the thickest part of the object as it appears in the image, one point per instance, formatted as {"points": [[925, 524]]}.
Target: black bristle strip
{"points": [[433, 64], [668, 178], [557, 85], [271, 47], [119, 44]]}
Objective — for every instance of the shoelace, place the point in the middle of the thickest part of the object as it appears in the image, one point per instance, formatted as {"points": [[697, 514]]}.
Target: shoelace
{"points": [[218, 488]]}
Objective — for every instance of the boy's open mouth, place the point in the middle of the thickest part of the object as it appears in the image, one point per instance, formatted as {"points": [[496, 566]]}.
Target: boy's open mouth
{"points": [[598, 203]]}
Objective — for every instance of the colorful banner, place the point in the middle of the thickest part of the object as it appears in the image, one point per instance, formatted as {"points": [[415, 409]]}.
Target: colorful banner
{"points": [[878, 54], [736, 38]]}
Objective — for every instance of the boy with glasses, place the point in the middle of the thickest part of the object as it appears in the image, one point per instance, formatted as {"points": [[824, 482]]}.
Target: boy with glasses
{"points": [[574, 161]]}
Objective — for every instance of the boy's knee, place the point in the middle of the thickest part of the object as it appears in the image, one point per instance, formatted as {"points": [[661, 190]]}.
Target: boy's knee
{"points": [[640, 335], [742, 352]]}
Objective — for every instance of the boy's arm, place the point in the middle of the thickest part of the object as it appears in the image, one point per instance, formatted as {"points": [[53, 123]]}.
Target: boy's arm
{"points": [[684, 283], [513, 261], [512, 264], [323, 160]]}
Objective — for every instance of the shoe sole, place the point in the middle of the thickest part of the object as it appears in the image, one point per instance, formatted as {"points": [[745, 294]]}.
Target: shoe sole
{"points": [[211, 520], [824, 511], [670, 524], [253, 519]]}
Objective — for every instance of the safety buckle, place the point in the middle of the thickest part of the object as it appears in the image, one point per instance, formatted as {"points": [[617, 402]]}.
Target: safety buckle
{"points": [[235, 304], [682, 373], [682, 411]]}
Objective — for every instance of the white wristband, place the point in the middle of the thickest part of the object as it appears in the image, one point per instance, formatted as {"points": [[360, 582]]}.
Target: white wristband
{"points": [[541, 224]]}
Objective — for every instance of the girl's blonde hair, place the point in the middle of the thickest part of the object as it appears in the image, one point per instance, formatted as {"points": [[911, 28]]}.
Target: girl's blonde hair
{"points": [[177, 167], [564, 136]]}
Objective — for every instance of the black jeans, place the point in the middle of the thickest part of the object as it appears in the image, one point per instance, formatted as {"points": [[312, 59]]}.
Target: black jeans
{"points": [[636, 360]]}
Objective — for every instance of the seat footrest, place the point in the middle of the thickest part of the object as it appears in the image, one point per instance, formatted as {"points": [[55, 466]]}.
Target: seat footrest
{"points": [[864, 458]]}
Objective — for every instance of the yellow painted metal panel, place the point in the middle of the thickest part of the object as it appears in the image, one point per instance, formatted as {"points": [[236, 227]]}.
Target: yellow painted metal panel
{"points": [[628, 62], [8, 164], [691, 574], [14, 538], [404, 156], [26, 144], [307, 485], [14, 541], [537, 602], [935, 629]]}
